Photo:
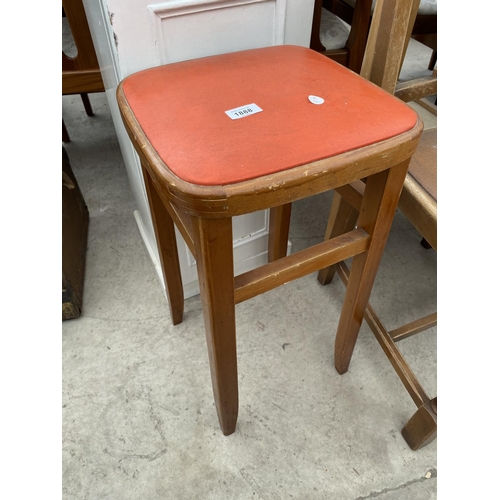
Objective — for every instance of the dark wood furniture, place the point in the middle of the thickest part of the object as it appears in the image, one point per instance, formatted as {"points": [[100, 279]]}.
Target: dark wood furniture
{"points": [[351, 55], [80, 74], [202, 168], [75, 223], [424, 28]]}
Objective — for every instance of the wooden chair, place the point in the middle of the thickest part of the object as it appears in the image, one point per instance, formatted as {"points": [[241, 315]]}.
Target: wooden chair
{"points": [[418, 202], [337, 41], [80, 74], [208, 156], [424, 28]]}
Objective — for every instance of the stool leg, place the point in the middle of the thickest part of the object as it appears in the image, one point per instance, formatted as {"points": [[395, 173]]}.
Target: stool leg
{"points": [[342, 219], [167, 248], [279, 226], [214, 257], [376, 215]]}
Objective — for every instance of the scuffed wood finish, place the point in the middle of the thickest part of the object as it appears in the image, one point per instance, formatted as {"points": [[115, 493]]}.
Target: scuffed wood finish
{"points": [[416, 89], [299, 264], [279, 225], [167, 248], [270, 190], [214, 255], [387, 43]]}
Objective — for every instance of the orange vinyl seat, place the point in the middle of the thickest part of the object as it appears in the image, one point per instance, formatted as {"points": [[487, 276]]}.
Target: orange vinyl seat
{"points": [[201, 168], [187, 125]]}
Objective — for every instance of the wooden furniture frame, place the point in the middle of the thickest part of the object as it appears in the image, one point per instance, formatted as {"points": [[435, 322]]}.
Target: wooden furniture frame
{"points": [[385, 49], [80, 74], [424, 27], [203, 213], [351, 55]]}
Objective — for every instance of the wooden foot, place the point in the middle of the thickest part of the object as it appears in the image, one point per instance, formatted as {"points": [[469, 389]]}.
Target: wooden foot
{"points": [[342, 219], [279, 225], [421, 429], [167, 248], [377, 212], [214, 256]]}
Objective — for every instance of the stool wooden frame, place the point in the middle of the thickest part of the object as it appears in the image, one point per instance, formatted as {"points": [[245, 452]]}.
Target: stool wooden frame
{"points": [[203, 216]]}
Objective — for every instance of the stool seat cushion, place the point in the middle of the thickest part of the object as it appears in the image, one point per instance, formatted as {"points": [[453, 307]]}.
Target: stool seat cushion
{"points": [[181, 107]]}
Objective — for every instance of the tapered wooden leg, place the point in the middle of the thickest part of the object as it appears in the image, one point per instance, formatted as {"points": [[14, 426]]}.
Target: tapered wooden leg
{"points": [[421, 429], [87, 105], [376, 215], [279, 226], [214, 257], [167, 248], [342, 219]]}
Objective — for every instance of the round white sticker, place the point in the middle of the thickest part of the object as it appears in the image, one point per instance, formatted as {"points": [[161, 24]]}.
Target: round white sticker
{"points": [[316, 100]]}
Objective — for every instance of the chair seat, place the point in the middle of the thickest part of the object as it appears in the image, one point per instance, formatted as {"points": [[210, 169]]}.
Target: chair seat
{"points": [[426, 7], [333, 32], [180, 109]]}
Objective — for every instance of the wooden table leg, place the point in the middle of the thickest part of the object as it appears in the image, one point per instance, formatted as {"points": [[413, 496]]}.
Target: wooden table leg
{"points": [[376, 215], [167, 248], [214, 257]]}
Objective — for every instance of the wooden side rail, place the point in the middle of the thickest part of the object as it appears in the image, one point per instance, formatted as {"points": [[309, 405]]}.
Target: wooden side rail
{"points": [[297, 265], [416, 89], [387, 343]]}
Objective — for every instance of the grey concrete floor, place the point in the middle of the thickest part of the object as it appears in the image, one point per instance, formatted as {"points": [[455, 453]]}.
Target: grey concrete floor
{"points": [[139, 421]]}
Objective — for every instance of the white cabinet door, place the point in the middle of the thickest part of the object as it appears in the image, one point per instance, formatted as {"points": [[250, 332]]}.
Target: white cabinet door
{"points": [[131, 35]]}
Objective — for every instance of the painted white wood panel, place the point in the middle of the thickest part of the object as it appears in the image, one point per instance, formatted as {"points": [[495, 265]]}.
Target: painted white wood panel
{"points": [[131, 35]]}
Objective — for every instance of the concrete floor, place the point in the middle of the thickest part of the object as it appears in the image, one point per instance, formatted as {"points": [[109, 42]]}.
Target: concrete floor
{"points": [[139, 421]]}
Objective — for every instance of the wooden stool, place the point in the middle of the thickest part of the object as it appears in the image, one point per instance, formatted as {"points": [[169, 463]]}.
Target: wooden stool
{"points": [[236, 133]]}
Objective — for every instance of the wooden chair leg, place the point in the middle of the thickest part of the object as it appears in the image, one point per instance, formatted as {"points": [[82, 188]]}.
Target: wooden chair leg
{"points": [[342, 219], [65, 135], [421, 429], [167, 248], [214, 256], [425, 244], [279, 226], [433, 61], [87, 105], [376, 215]]}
